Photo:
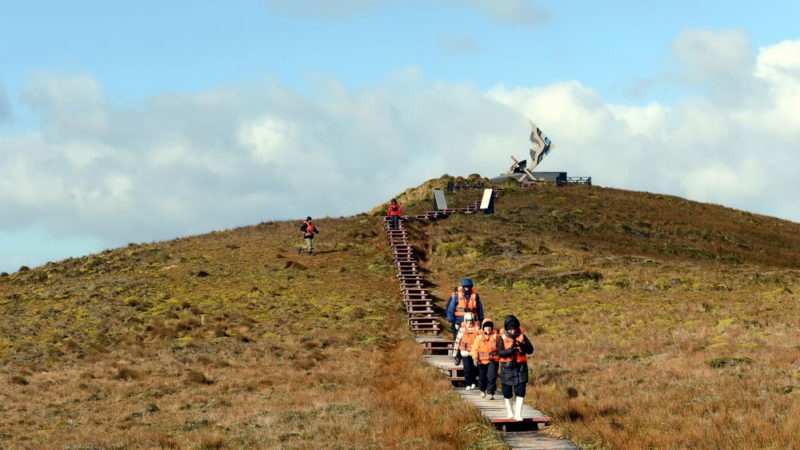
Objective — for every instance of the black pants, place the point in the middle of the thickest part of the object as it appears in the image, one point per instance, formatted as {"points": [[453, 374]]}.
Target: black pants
{"points": [[514, 377], [518, 389], [487, 377], [394, 221]]}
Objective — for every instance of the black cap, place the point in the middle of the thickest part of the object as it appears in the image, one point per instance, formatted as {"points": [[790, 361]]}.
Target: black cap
{"points": [[511, 322], [308, 218]]}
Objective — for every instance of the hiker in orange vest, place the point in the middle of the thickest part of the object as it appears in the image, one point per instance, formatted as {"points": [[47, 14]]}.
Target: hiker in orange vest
{"points": [[464, 299], [463, 346], [309, 230], [512, 348], [394, 213], [484, 354]]}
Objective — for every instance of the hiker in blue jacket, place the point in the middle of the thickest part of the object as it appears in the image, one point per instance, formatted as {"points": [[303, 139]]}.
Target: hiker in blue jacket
{"points": [[465, 298]]}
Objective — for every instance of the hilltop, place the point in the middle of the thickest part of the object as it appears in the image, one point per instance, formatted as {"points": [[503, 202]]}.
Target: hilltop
{"points": [[649, 313]]}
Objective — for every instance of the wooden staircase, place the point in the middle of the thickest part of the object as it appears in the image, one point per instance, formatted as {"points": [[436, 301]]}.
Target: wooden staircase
{"points": [[416, 297], [438, 350]]}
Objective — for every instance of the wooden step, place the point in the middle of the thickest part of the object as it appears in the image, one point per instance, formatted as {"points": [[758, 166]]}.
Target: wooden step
{"points": [[436, 346]]}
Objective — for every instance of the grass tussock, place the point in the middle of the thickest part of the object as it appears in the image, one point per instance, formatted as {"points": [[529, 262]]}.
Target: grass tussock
{"points": [[658, 323]]}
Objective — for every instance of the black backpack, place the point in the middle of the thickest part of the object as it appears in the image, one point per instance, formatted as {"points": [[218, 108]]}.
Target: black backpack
{"points": [[304, 227]]}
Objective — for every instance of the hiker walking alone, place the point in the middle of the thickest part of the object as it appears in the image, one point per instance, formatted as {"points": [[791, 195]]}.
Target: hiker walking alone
{"points": [[309, 230], [463, 346], [394, 213], [464, 299], [512, 348], [484, 355]]}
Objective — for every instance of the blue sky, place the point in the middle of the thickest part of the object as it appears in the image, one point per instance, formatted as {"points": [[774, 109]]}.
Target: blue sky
{"points": [[144, 121]]}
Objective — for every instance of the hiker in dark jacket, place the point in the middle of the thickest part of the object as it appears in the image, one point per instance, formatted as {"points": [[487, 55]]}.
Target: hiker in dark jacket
{"points": [[309, 229], [513, 348]]}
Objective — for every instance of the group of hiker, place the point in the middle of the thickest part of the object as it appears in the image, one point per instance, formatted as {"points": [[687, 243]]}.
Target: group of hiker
{"points": [[487, 352]]}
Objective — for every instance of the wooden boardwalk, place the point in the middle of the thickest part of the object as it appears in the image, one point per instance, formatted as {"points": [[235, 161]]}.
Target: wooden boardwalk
{"points": [[494, 410], [534, 440], [523, 434]]}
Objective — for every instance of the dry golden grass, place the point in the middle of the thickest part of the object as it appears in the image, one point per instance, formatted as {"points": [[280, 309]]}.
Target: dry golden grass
{"points": [[225, 340], [658, 323]]}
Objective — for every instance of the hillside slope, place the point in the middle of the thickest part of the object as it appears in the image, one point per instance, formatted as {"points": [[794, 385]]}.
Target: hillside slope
{"points": [[230, 339], [649, 312]]}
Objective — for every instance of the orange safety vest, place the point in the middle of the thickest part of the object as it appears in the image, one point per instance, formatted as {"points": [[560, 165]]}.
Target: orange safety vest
{"points": [[466, 304], [508, 342], [484, 349], [309, 228], [470, 333]]}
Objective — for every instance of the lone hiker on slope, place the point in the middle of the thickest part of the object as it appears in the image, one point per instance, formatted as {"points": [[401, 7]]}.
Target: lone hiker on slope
{"points": [[512, 348], [464, 299], [394, 212], [309, 230]]}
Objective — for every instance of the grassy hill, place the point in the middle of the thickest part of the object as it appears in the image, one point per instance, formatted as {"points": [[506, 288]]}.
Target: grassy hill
{"points": [[658, 323]]}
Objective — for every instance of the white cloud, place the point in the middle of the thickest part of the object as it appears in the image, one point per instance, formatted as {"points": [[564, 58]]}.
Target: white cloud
{"points": [[727, 183], [780, 62], [737, 153], [647, 121], [181, 164], [71, 106], [268, 139], [709, 55], [774, 106], [567, 103]]}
